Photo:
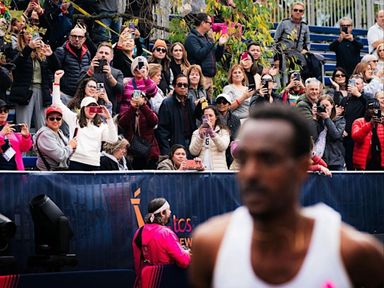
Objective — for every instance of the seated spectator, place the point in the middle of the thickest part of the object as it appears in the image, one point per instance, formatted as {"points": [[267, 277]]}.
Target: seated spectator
{"points": [[211, 140], [87, 127], [139, 120], [89, 88], [339, 82], [140, 82], [179, 61], [238, 91], [253, 78], [330, 142], [12, 143], [159, 56], [265, 94], [177, 160], [319, 165], [368, 134], [111, 77], [128, 47], [154, 74], [294, 89], [223, 104], [31, 80], [113, 155], [176, 117], [371, 83], [52, 147], [72, 57], [156, 244]]}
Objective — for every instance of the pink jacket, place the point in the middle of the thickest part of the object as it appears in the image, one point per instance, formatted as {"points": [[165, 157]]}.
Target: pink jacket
{"points": [[160, 245], [20, 144]]}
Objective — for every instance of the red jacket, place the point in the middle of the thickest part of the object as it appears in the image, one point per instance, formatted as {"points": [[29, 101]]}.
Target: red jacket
{"points": [[362, 135]]}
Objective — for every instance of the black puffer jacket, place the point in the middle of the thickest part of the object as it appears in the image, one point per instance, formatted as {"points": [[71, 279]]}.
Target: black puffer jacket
{"points": [[203, 52], [66, 59], [22, 79]]}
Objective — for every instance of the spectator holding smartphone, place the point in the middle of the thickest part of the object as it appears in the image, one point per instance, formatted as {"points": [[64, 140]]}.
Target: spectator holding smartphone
{"points": [[346, 46], [177, 160], [102, 71], [12, 143], [211, 140], [265, 94], [294, 89], [87, 127]]}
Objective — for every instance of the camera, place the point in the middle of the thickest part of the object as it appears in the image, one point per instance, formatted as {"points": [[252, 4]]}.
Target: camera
{"points": [[102, 63], [100, 86], [296, 76], [17, 127], [321, 109], [344, 29], [96, 109]]}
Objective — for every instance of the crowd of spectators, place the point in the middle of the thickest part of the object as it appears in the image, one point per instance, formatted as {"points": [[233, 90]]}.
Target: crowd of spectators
{"points": [[81, 88]]}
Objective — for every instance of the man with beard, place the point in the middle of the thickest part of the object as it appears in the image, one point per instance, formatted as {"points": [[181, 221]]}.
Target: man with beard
{"points": [[271, 240], [154, 243]]}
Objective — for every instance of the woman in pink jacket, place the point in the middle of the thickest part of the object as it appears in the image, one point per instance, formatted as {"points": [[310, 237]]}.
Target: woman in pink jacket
{"points": [[156, 244], [12, 144]]}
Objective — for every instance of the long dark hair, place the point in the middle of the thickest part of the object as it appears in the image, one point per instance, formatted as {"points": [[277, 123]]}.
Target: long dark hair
{"points": [[153, 205], [219, 121], [83, 121], [74, 103], [339, 69]]}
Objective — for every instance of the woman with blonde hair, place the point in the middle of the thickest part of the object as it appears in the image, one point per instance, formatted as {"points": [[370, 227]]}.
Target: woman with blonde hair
{"points": [[238, 91], [154, 73], [179, 60], [113, 155], [196, 92], [31, 79], [372, 84]]}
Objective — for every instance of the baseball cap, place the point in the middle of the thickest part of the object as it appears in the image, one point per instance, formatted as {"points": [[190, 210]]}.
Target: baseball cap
{"points": [[4, 104], [225, 96], [53, 109], [86, 101]]}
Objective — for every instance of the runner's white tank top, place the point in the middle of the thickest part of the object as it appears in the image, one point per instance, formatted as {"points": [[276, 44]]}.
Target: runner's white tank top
{"points": [[322, 267]]}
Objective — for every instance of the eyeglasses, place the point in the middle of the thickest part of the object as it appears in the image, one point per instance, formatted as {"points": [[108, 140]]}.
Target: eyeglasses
{"points": [[91, 86], [162, 50], [298, 10], [54, 119], [339, 75], [182, 85], [77, 36], [4, 110]]}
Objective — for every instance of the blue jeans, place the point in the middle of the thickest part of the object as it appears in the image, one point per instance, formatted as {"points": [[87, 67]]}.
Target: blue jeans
{"points": [[101, 34]]}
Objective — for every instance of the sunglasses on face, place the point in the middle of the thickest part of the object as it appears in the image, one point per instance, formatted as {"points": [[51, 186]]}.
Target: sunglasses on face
{"points": [[221, 101], [3, 110], [77, 36], [54, 119], [162, 50], [182, 85], [298, 10], [339, 75]]}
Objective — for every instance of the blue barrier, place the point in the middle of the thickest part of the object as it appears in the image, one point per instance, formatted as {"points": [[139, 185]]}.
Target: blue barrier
{"points": [[104, 208]]}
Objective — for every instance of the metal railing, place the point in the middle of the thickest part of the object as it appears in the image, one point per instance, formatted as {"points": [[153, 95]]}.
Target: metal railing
{"points": [[328, 12]]}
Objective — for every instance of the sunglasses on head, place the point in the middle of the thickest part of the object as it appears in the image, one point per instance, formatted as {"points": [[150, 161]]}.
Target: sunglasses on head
{"points": [[163, 50], [54, 119], [4, 110], [298, 10], [182, 85]]}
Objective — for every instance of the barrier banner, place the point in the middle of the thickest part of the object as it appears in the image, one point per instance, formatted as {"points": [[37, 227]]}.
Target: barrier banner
{"points": [[105, 209]]}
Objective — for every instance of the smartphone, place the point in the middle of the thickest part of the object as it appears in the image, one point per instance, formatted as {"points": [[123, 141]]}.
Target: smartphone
{"points": [[264, 84], [344, 29], [140, 65], [351, 82], [251, 86], [36, 36], [17, 127], [102, 63], [96, 109], [296, 76], [75, 132], [100, 86], [136, 94], [191, 164]]}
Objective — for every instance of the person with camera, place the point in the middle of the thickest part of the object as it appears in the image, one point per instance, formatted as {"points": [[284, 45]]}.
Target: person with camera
{"points": [[354, 107], [294, 89], [14, 140], [139, 82], [100, 68], [137, 124], [211, 140], [329, 145], [87, 127], [177, 160], [265, 94], [155, 243], [347, 47], [52, 147], [368, 134]]}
